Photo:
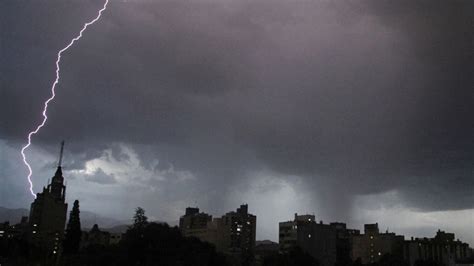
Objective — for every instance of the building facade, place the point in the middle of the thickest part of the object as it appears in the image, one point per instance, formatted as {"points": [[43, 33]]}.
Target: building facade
{"points": [[372, 245], [317, 239], [48, 215], [344, 238], [443, 248], [233, 234], [195, 224], [236, 231]]}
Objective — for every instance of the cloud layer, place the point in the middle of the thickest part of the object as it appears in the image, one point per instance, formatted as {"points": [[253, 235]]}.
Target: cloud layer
{"points": [[172, 103]]}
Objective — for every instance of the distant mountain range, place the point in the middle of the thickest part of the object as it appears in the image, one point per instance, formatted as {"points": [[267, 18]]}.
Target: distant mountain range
{"points": [[88, 219]]}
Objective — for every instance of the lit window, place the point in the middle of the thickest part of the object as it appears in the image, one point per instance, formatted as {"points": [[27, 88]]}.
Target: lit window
{"points": [[380, 254], [238, 229], [34, 232], [35, 225]]}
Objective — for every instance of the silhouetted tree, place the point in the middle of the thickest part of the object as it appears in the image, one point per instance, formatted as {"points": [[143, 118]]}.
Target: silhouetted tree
{"points": [[147, 243], [159, 244], [72, 238], [139, 219]]}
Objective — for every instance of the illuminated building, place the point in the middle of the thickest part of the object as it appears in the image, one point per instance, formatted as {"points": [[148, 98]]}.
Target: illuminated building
{"points": [[316, 239], [372, 245], [234, 233]]}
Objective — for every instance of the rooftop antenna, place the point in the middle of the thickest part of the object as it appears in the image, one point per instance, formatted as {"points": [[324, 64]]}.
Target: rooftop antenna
{"points": [[61, 154]]}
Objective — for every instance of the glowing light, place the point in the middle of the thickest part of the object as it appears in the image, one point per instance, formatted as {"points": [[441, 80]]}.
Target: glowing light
{"points": [[53, 93]]}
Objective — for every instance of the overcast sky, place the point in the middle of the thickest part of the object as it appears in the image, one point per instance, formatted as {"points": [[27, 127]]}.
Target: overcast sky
{"points": [[356, 111]]}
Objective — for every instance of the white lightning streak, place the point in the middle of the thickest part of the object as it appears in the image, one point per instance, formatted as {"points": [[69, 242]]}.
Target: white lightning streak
{"points": [[53, 94]]}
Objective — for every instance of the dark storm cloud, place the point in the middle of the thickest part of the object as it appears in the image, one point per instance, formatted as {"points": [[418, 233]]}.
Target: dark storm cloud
{"points": [[357, 97]]}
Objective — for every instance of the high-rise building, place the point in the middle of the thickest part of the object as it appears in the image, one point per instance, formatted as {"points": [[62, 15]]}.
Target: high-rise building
{"points": [[234, 233], [317, 239], [344, 238], [443, 248], [48, 213], [372, 245], [194, 224]]}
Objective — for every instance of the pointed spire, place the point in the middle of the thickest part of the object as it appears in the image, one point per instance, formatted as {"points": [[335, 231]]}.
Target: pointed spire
{"points": [[61, 154], [59, 172]]}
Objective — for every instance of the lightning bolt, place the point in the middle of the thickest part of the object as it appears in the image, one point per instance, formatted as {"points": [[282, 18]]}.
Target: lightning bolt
{"points": [[53, 93]]}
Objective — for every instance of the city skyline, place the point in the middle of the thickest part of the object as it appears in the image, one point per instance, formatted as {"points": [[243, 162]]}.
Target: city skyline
{"points": [[59, 192], [43, 236], [358, 112]]}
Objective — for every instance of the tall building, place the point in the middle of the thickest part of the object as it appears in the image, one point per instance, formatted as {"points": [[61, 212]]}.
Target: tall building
{"points": [[194, 224], [234, 233], [344, 238], [443, 248], [372, 245], [48, 213], [317, 239]]}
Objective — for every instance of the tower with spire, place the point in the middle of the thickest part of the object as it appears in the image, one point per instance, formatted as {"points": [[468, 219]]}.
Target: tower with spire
{"points": [[48, 213]]}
